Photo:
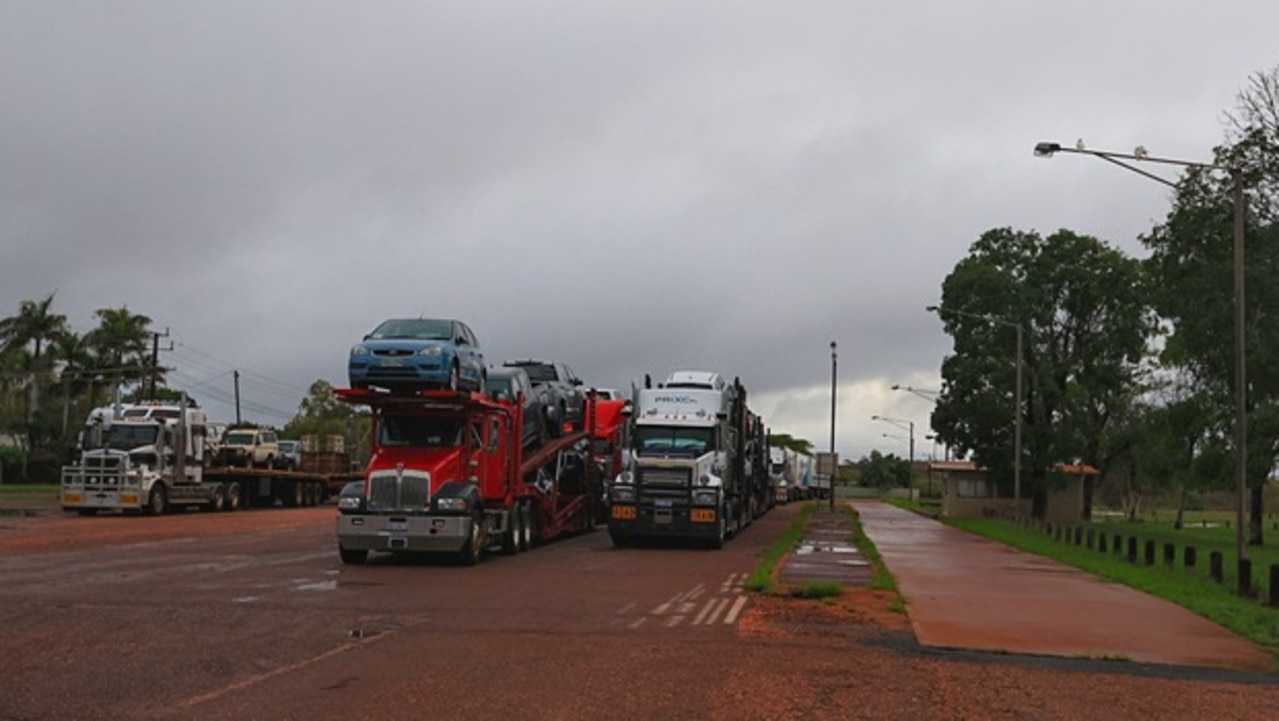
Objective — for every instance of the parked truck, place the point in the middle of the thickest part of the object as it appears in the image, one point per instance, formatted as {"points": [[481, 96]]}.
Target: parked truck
{"points": [[449, 475], [153, 457], [690, 462]]}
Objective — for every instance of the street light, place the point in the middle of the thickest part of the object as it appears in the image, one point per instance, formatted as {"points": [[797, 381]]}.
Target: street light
{"points": [[905, 426], [925, 393], [1018, 401], [1047, 150], [834, 470]]}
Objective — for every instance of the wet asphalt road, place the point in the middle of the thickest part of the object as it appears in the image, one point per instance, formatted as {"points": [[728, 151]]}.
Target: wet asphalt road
{"points": [[252, 615]]}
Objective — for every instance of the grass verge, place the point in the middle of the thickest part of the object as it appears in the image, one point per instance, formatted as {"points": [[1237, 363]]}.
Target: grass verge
{"points": [[764, 579], [29, 491]]}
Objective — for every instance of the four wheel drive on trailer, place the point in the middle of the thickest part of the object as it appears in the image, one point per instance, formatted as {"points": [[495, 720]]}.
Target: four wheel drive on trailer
{"points": [[290, 457], [512, 384], [448, 474], [248, 447], [566, 397], [415, 353]]}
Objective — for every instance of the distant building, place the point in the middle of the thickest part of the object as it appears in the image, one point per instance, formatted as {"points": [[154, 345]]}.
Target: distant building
{"points": [[967, 493]]}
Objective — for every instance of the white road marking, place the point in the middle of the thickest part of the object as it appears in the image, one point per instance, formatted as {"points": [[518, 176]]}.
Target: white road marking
{"points": [[736, 609]]}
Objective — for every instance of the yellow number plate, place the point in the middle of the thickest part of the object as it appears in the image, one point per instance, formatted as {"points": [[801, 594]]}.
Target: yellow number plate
{"points": [[74, 498], [702, 515], [624, 513]]}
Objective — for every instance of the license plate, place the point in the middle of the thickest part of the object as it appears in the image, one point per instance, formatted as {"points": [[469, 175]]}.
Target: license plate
{"points": [[397, 526], [624, 513], [702, 515], [392, 363]]}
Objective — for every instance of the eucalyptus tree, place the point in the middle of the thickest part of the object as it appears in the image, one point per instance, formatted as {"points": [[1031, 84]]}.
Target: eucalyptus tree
{"points": [[1192, 265], [1085, 329]]}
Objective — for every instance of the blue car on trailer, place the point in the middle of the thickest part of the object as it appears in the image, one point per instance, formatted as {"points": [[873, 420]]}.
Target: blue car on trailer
{"points": [[406, 353]]}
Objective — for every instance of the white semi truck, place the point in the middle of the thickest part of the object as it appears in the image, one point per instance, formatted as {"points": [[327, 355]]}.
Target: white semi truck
{"points": [[684, 465], [153, 457], [146, 458]]}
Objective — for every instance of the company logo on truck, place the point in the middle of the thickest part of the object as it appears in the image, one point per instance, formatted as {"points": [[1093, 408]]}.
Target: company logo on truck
{"points": [[675, 400]]}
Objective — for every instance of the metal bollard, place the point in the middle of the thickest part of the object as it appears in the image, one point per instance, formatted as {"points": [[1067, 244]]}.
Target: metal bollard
{"points": [[1132, 549], [1190, 557], [1170, 555], [1150, 553]]}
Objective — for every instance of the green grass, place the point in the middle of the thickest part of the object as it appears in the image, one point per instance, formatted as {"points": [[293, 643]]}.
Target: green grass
{"points": [[1190, 588], [882, 580], [763, 579], [818, 589], [29, 492]]}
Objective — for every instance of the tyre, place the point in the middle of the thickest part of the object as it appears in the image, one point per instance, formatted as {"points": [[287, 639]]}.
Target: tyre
{"points": [[620, 540], [218, 500], [514, 532], [717, 542], [298, 498], [474, 546], [353, 557], [231, 501], [526, 526], [455, 378], [158, 501]]}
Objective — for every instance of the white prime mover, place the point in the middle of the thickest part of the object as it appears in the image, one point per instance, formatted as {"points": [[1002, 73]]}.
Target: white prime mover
{"points": [[146, 458]]}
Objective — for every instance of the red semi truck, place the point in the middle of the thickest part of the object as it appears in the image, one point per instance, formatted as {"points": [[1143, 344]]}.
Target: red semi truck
{"points": [[448, 474]]}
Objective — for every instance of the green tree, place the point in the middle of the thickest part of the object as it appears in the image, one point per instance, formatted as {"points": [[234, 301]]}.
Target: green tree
{"points": [[1085, 326], [24, 338], [784, 440], [884, 471], [120, 347], [1192, 260], [321, 413]]}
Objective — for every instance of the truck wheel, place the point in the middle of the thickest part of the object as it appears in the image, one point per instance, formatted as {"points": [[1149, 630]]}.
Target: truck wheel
{"points": [[526, 526], [721, 531], [455, 378], [232, 500], [218, 500], [470, 553], [158, 501], [620, 540], [298, 499], [352, 556], [514, 532]]}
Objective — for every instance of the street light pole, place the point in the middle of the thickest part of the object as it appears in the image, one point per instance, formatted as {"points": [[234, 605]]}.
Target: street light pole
{"points": [[1047, 150], [1018, 395], [834, 471], [908, 426]]}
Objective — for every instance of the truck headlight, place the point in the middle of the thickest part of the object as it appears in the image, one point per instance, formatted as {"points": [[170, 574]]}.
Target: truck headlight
{"points": [[350, 503], [622, 494], [705, 497], [451, 504]]}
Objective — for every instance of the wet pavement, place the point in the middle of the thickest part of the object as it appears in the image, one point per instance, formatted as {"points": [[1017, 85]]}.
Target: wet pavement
{"points": [[827, 553], [966, 592]]}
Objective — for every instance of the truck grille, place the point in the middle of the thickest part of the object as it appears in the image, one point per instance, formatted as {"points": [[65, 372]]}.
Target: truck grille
{"points": [[98, 463], [410, 491], [665, 483]]}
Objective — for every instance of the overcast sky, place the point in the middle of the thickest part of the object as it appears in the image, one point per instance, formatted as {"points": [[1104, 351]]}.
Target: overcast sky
{"points": [[630, 187]]}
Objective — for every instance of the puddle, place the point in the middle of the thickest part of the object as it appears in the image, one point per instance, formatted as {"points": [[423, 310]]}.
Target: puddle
{"points": [[318, 586]]}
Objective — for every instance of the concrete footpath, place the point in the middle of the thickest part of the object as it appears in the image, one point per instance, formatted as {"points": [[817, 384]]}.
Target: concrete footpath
{"points": [[965, 592]]}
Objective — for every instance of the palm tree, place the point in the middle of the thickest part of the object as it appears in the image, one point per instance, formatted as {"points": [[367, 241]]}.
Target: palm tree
{"points": [[26, 335], [119, 344]]}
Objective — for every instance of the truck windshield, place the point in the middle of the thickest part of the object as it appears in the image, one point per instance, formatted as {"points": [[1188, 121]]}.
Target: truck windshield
{"points": [[674, 440], [419, 431], [125, 437]]}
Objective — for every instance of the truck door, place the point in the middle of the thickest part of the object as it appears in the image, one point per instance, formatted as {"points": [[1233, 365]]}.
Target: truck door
{"points": [[491, 454]]}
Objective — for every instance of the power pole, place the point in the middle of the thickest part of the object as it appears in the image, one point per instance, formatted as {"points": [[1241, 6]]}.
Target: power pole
{"points": [[155, 358], [237, 398]]}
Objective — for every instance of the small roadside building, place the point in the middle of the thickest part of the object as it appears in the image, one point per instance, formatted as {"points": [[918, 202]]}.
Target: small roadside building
{"points": [[966, 493]]}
